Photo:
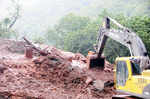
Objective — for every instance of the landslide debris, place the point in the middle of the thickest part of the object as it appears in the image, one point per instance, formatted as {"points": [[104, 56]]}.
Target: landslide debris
{"points": [[57, 75]]}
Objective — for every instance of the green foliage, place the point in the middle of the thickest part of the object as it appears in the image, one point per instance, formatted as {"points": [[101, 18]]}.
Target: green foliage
{"points": [[78, 34], [141, 25], [52, 37], [67, 25], [138, 24], [38, 40], [125, 7], [71, 23], [82, 40], [114, 49], [6, 22], [5, 32]]}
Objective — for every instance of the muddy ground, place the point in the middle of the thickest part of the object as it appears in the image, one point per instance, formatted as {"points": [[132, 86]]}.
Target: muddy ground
{"points": [[54, 76]]}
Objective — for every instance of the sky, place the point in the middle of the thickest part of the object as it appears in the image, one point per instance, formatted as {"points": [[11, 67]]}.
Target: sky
{"points": [[38, 15]]}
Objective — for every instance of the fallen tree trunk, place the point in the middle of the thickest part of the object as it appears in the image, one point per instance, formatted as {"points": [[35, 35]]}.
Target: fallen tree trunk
{"points": [[41, 52]]}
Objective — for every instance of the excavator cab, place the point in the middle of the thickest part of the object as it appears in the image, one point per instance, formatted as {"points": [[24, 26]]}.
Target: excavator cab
{"points": [[130, 79]]}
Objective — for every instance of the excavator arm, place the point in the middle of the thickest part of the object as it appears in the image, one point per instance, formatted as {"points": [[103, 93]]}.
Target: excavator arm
{"points": [[123, 36]]}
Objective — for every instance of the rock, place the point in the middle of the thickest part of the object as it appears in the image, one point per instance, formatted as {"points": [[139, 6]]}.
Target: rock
{"points": [[16, 97], [77, 63], [2, 97], [2, 69], [88, 80], [99, 85]]}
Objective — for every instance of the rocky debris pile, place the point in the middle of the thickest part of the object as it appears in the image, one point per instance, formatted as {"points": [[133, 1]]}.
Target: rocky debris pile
{"points": [[60, 72], [12, 46], [56, 75]]}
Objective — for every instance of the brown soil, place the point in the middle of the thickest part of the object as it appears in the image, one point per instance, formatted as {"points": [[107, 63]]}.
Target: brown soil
{"points": [[48, 77]]}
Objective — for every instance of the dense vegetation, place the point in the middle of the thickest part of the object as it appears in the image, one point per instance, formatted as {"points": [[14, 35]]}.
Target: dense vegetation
{"points": [[79, 34]]}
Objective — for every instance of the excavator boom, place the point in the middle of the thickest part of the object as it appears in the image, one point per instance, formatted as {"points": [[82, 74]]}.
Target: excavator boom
{"points": [[122, 35]]}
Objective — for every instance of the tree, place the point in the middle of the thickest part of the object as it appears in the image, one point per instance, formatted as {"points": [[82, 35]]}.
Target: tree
{"points": [[78, 34], [52, 37], [114, 49], [66, 26], [15, 14], [7, 23], [141, 25], [83, 40]]}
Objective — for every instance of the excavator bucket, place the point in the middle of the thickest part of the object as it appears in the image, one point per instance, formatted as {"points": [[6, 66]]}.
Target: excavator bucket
{"points": [[94, 61]]}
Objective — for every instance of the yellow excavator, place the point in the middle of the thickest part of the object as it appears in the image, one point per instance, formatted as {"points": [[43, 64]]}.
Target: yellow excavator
{"points": [[131, 74]]}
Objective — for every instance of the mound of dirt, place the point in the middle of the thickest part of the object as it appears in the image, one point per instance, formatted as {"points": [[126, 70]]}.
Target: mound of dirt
{"points": [[60, 73], [51, 77], [12, 46]]}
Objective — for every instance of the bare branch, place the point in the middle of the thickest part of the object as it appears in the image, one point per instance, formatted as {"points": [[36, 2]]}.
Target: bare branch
{"points": [[16, 13]]}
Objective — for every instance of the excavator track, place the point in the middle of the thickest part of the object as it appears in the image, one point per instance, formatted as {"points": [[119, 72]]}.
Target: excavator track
{"points": [[125, 97]]}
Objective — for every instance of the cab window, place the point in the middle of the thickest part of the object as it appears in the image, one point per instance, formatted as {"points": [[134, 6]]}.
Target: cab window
{"points": [[135, 68], [122, 73]]}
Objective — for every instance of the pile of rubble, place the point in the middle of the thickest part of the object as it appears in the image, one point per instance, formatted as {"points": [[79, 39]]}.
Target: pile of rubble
{"points": [[73, 79], [56, 74]]}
